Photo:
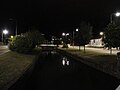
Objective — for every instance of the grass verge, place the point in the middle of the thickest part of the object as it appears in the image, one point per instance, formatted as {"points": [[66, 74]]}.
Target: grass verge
{"points": [[101, 61], [12, 66]]}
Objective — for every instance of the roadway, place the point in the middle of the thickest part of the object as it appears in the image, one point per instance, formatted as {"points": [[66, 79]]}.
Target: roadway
{"points": [[3, 49], [98, 50]]}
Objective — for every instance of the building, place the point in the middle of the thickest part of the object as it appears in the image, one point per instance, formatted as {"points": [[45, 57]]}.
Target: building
{"points": [[96, 42]]}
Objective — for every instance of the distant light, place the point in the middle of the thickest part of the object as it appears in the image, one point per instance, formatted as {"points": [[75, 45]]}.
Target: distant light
{"points": [[117, 14], [60, 38], [77, 30], [67, 34], [65, 61], [101, 33], [63, 34], [5, 31], [11, 36], [53, 39]]}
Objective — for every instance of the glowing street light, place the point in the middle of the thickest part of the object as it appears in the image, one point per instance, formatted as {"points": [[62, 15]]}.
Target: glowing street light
{"points": [[67, 34], [101, 33], [63, 34], [11, 36], [74, 36], [77, 30], [4, 32], [117, 14]]}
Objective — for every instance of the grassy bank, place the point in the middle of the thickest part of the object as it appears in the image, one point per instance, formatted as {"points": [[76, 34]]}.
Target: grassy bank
{"points": [[95, 57], [12, 66], [102, 61]]}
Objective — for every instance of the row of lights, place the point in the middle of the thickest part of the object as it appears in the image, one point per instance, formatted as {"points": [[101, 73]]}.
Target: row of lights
{"points": [[66, 34]]}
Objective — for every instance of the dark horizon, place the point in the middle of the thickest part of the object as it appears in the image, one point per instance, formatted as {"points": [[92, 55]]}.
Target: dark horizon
{"points": [[55, 17]]}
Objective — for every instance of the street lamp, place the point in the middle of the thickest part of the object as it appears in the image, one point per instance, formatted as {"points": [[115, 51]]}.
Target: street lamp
{"points": [[4, 32], [74, 36], [117, 14], [101, 33], [65, 39]]}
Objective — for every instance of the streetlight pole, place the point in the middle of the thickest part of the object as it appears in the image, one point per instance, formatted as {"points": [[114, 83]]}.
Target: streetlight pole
{"points": [[16, 31], [74, 36], [117, 14], [111, 19], [65, 39], [4, 32], [16, 28]]}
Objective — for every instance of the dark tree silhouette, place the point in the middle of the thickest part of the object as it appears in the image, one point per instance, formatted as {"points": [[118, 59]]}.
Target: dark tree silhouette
{"points": [[84, 34], [112, 36]]}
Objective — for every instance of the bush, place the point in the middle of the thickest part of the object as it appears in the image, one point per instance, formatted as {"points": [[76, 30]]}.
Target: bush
{"points": [[26, 42], [21, 44]]}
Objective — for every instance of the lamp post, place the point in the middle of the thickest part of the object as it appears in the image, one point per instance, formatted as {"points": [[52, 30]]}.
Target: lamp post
{"points": [[74, 36], [4, 32], [117, 14], [65, 39], [16, 31]]}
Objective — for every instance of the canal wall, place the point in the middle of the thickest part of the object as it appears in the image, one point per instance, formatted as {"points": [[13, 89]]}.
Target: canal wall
{"points": [[18, 84], [112, 70]]}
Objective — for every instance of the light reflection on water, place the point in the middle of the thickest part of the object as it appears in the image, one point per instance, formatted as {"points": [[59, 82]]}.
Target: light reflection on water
{"points": [[65, 61]]}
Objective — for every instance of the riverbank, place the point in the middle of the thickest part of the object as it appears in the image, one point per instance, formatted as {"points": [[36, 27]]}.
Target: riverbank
{"points": [[12, 66], [101, 61]]}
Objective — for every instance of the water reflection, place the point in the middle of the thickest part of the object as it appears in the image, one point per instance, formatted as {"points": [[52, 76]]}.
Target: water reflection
{"points": [[65, 61], [49, 52]]}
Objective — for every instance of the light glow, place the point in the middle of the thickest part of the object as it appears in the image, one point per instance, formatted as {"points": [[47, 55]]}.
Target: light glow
{"points": [[5, 31], [11, 36], [63, 34], [117, 14], [76, 30], [101, 33], [67, 34]]}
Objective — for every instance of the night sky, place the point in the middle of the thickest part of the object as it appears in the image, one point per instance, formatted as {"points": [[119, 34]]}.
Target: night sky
{"points": [[56, 16]]}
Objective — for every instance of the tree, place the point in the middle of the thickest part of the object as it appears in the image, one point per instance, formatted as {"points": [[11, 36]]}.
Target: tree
{"points": [[26, 42], [35, 36], [112, 36], [84, 34], [57, 42]]}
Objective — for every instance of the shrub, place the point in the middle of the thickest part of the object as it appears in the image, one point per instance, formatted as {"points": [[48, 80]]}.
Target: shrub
{"points": [[21, 44], [26, 42]]}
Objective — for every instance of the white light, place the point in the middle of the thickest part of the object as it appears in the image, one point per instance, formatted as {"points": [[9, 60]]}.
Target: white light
{"points": [[76, 30], [5, 31], [11, 36], [101, 33], [63, 62], [67, 34], [67, 62], [63, 34], [117, 14]]}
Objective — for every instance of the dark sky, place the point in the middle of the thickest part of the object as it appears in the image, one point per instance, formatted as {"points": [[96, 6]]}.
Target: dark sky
{"points": [[56, 16]]}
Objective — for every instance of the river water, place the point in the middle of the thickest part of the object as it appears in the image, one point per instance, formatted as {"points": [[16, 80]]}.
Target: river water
{"points": [[58, 72]]}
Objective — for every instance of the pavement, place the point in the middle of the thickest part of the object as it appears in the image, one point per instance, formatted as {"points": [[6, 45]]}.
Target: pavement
{"points": [[3, 49], [98, 50]]}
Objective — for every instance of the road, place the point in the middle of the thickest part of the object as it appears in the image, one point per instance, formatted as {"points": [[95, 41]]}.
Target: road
{"points": [[98, 50], [51, 74]]}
